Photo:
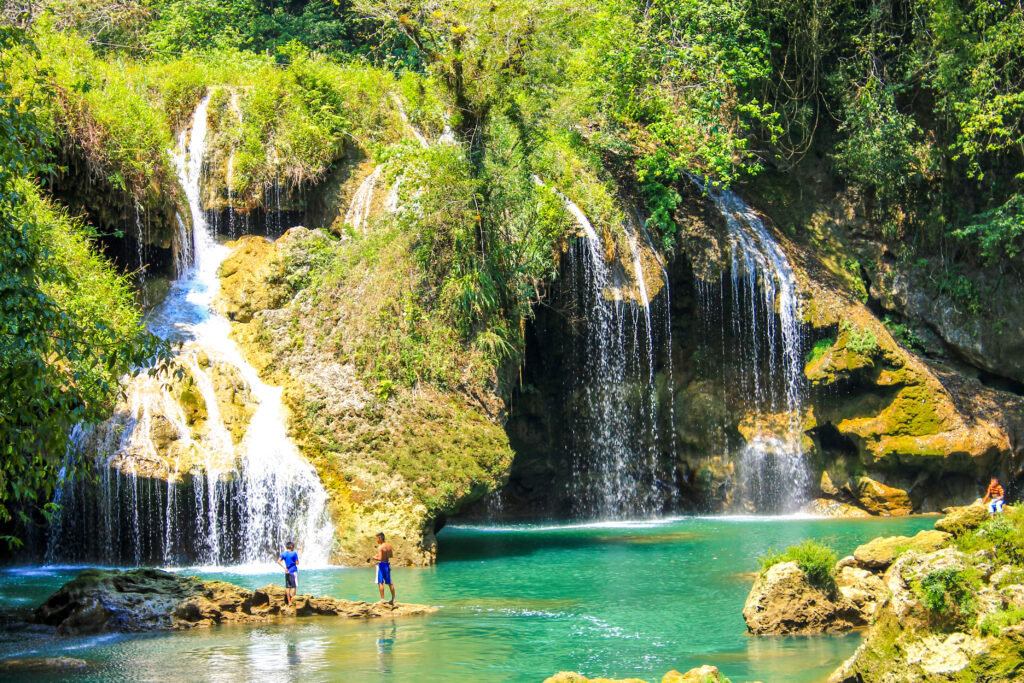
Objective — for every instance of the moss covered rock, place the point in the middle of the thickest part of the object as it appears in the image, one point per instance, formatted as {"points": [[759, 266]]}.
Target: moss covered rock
{"points": [[396, 454], [879, 553]]}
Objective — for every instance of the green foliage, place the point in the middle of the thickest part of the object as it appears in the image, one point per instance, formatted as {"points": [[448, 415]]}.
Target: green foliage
{"points": [[993, 624], [863, 342], [879, 149], [68, 325], [997, 234], [820, 348], [815, 559], [904, 334], [1003, 535], [951, 281], [947, 594]]}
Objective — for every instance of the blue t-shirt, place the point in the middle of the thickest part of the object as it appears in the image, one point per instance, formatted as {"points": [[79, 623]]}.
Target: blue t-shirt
{"points": [[291, 561]]}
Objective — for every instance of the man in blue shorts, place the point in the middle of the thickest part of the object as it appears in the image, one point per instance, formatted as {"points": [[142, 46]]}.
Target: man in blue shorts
{"points": [[383, 560], [290, 561]]}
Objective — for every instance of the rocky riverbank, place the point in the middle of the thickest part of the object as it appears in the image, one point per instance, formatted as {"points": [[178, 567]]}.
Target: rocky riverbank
{"points": [[946, 604], [100, 600]]}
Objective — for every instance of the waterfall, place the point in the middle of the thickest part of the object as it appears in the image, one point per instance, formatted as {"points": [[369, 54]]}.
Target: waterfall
{"points": [[180, 486], [612, 437], [362, 201], [767, 353]]}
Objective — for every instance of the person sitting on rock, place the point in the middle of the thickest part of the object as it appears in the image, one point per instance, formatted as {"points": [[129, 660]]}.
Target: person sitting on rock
{"points": [[994, 497], [289, 559], [383, 560]]}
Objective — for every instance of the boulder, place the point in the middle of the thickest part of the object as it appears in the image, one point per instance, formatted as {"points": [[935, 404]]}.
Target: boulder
{"points": [[959, 520], [862, 588], [784, 602], [826, 507], [700, 674], [879, 553], [880, 499], [99, 601]]}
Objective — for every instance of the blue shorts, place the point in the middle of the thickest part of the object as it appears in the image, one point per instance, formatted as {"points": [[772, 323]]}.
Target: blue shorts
{"points": [[291, 580], [995, 505], [384, 572]]}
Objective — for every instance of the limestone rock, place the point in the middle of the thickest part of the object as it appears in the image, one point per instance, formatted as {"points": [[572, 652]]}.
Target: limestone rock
{"points": [[700, 674], [903, 644], [393, 458], [862, 588], [784, 602], [826, 507], [880, 499], [879, 553], [252, 279], [98, 601], [962, 519]]}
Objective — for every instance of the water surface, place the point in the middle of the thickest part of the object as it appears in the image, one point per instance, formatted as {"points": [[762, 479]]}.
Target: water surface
{"points": [[519, 604]]}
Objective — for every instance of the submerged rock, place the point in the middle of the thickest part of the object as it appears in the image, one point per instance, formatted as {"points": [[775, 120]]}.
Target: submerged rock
{"points": [[700, 674], [784, 602], [51, 665], [879, 553], [100, 600]]}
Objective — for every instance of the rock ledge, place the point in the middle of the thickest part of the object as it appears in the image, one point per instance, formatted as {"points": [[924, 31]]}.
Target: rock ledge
{"points": [[99, 601]]}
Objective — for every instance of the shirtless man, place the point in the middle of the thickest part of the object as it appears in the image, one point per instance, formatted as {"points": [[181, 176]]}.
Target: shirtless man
{"points": [[383, 560]]}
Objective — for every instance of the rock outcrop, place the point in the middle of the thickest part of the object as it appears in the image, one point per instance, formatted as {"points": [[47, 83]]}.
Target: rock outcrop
{"points": [[783, 601], [879, 553], [959, 520], [98, 601], [911, 641], [394, 458]]}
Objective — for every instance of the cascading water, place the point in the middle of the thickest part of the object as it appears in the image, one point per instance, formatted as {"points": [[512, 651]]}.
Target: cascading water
{"points": [[762, 355], [613, 440], [180, 485]]}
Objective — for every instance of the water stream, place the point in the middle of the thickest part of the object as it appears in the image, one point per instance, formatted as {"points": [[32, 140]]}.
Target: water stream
{"points": [[171, 488]]}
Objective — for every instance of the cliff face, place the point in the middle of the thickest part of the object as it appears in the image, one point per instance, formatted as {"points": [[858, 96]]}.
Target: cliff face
{"points": [[393, 459]]}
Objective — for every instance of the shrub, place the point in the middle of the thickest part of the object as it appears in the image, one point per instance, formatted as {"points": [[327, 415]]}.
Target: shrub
{"points": [[947, 594], [815, 559], [863, 342], [1003, 535]]}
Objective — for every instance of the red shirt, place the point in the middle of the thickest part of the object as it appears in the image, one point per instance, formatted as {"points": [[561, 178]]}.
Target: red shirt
{"points": [[995, 491]]}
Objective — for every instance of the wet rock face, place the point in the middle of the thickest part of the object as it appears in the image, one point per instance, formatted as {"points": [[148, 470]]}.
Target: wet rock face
{"points": [[784, 602], [99, 601]]}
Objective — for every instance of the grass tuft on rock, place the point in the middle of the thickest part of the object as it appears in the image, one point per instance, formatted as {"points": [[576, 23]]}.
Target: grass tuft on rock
{"points": [[815, 559], [1003, 535]]}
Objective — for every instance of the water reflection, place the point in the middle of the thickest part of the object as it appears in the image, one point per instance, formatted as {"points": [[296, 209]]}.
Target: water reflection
{"points": [[385, 648]]}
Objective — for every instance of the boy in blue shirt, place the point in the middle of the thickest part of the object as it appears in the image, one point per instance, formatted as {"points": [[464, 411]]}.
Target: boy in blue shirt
{"points": [[290, 561]]}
